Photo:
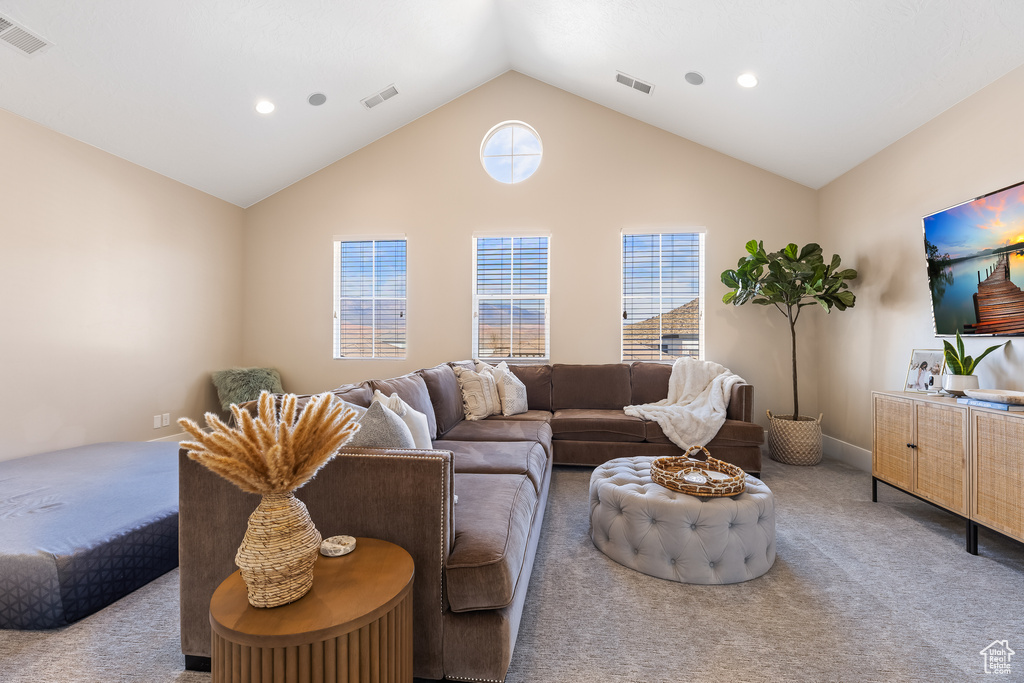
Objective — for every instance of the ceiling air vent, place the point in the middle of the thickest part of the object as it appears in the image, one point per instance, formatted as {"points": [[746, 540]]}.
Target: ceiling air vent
{"points": [[630, 82], [21, 40], [385, 94]]}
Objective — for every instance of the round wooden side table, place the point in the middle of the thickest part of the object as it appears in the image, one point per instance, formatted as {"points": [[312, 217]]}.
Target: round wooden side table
{"points": [[355, 624]]}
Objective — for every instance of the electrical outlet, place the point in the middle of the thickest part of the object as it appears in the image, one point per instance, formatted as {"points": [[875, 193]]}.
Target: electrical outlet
{"points": [[167, 419], [157, 422]]}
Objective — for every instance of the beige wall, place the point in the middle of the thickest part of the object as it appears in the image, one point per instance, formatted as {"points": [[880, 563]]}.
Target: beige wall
{"points": [[120, 292], [601, 172], [872, 215]]}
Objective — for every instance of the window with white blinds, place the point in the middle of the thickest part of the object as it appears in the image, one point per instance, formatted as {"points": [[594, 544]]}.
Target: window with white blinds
{"points": [[369, 300], [510, 297], [662, 296]]}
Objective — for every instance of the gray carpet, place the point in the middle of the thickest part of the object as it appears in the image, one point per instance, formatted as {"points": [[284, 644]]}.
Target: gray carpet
{"points": [[859, 592]]}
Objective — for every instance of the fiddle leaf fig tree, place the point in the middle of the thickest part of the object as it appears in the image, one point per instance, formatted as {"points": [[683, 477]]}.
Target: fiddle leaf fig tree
{"points": [[789, 279]]}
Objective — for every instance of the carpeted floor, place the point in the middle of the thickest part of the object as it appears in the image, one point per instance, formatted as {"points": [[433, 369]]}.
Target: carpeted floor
{"points": [[859, 592]]}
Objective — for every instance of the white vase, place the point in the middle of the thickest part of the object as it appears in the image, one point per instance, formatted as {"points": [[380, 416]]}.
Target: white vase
{"points": [[956, 384]]}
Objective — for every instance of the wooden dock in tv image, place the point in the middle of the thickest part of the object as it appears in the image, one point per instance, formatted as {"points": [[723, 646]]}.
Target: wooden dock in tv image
{"points": [[998, 303]]}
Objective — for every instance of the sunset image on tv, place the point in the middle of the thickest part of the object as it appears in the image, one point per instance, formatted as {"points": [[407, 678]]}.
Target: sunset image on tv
{"points": [[975, 254]]}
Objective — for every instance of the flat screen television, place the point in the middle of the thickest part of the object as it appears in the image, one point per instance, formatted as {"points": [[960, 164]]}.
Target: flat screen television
{"points": [[975, 255]]}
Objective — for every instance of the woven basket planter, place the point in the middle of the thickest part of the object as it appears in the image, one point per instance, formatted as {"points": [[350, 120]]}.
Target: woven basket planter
{"points": [[278, 551], [794, 442]]}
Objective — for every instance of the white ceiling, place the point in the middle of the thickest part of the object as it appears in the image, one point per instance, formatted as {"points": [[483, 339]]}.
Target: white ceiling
{"points": [[171, 85]]}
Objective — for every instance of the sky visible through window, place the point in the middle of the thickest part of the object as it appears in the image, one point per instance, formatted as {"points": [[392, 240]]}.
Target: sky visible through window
{"points": [[512, 153], [661, 296], [370, 319], [511, 297]]}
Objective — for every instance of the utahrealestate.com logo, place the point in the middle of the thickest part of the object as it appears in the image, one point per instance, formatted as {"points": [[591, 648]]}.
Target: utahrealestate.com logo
{"points": [[997, 657]]}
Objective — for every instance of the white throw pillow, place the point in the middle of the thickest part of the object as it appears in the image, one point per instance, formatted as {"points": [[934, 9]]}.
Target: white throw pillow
{"points": [[513, 394], [479, 394], [413, 419], [380, 427]]}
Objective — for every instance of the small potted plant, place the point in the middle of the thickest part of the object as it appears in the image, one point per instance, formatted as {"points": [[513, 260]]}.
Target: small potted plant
{"points": [[960, 367], [789, 280]]}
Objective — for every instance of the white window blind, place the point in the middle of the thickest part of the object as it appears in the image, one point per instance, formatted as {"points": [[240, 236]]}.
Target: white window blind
{"points": [[662, 296], [510, 297], [369, 308]]}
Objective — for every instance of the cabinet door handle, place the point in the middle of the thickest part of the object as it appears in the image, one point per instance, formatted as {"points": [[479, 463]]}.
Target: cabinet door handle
{"points": [[911, 445]]}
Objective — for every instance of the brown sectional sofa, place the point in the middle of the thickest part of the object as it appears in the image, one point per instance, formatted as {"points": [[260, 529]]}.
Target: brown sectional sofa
{"points": [[470, 511]]}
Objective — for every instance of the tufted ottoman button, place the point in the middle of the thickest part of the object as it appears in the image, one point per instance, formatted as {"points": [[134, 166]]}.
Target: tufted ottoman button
{"points": [[632, 504]]}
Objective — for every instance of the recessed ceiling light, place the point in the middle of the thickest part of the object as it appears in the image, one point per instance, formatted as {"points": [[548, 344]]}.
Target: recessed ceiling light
{"points": [[747, 80], [694, 78], [264, 106]]}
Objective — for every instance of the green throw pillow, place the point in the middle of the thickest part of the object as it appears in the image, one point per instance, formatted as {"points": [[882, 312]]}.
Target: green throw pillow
{"points": [[239, 385]]}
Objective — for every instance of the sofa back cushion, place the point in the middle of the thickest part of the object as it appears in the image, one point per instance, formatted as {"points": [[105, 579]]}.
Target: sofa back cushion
{"points": [[413, 390], [359, 394], [445, 396], [595, 387], [356, 394], [649, 382], [537, 379]]}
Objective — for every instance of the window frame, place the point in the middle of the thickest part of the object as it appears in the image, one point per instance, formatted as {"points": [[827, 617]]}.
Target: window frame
{"points": [[701, 232], [373, 299], [512, 123], [475, 317]]}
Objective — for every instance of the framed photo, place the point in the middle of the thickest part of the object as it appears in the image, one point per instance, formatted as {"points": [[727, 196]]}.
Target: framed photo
{"points": [[924, 373]]}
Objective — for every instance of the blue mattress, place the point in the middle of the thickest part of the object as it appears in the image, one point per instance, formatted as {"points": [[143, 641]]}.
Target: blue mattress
{"points": [[83, 527]]}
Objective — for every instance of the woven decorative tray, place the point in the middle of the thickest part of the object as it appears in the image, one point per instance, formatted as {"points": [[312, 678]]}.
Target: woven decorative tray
{"points": [[692, 474]]}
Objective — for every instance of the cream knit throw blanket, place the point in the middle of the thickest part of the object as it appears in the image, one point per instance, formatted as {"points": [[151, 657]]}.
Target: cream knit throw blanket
{"points": [[698, 396]]}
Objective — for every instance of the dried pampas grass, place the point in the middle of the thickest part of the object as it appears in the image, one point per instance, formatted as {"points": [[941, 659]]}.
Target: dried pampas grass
{"points": [[272, 454]]}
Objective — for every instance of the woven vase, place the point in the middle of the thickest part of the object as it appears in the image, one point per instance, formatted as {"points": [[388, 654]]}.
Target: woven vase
{"points": [[794, 442], [278, 551]]}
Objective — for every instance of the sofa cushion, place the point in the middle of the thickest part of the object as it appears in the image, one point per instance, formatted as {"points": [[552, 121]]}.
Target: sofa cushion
{"points": [[358, 394], [542, 415], [413, 390], [498, 457], [492, 531], [648, 382], [596, 425], [537, 379], [598, 387], [445, 395], [733, 433], [502, 430], [464, 364]]}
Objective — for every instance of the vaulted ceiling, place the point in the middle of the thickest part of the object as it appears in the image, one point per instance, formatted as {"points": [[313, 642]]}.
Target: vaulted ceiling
{"points": [[172, 86]]}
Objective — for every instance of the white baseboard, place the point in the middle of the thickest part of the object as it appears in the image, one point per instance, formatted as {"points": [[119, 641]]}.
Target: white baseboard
{"points": [[180, 436], [854, 456]]}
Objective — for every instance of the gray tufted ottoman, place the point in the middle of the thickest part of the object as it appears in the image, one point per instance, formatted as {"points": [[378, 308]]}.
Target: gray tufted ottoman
{"points": [[654, 530]]}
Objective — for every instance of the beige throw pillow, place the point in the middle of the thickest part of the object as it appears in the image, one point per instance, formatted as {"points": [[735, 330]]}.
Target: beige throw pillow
{"points": [[495, 371], [511, 390], [413, 419], [479, 394]]}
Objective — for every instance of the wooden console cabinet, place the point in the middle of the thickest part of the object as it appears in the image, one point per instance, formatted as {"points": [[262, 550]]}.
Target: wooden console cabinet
{"points": [[967, 460]]}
